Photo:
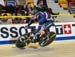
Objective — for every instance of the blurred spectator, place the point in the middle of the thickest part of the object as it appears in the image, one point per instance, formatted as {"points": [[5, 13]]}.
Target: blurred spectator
{"points": [[17, 20], [28, 9], [10, 9], [1, 8], [6, 20], [19, 9]]}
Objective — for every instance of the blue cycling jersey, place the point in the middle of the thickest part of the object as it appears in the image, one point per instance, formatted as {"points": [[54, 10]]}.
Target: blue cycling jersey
{"points": [[43, 20], [43, 17]]}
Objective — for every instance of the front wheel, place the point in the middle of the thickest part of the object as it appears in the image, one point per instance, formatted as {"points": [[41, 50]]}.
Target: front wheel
{"points": [[48, 39], [22, 42]]}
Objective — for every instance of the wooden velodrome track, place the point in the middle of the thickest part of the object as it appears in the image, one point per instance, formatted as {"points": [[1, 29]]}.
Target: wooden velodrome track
{"points": [[56, 49]]}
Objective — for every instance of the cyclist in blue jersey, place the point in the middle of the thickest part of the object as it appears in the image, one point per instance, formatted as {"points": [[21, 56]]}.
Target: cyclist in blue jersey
{"points": [[44, 19]]}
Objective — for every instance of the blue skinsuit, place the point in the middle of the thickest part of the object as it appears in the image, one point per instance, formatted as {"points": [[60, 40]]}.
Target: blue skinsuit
{"points": [[43, 21]]}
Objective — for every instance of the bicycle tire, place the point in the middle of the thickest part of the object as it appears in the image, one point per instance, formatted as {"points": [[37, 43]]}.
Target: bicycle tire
{"points": [[49, 40]]}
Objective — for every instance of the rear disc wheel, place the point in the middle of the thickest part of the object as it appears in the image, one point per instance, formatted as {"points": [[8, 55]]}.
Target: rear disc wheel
{"points": [[48, 39]]}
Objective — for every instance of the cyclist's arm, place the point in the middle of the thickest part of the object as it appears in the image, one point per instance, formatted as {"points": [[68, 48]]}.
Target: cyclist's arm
{"points": [[30, 22], [37, 30]]}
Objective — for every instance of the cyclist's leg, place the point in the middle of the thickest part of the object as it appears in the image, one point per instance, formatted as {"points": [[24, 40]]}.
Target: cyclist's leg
{"points": [[46, 26], [35, 39], [38, 29]]}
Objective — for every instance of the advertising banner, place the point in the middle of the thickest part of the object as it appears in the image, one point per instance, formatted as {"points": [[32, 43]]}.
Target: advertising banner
{"points": [[9, 33]]}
